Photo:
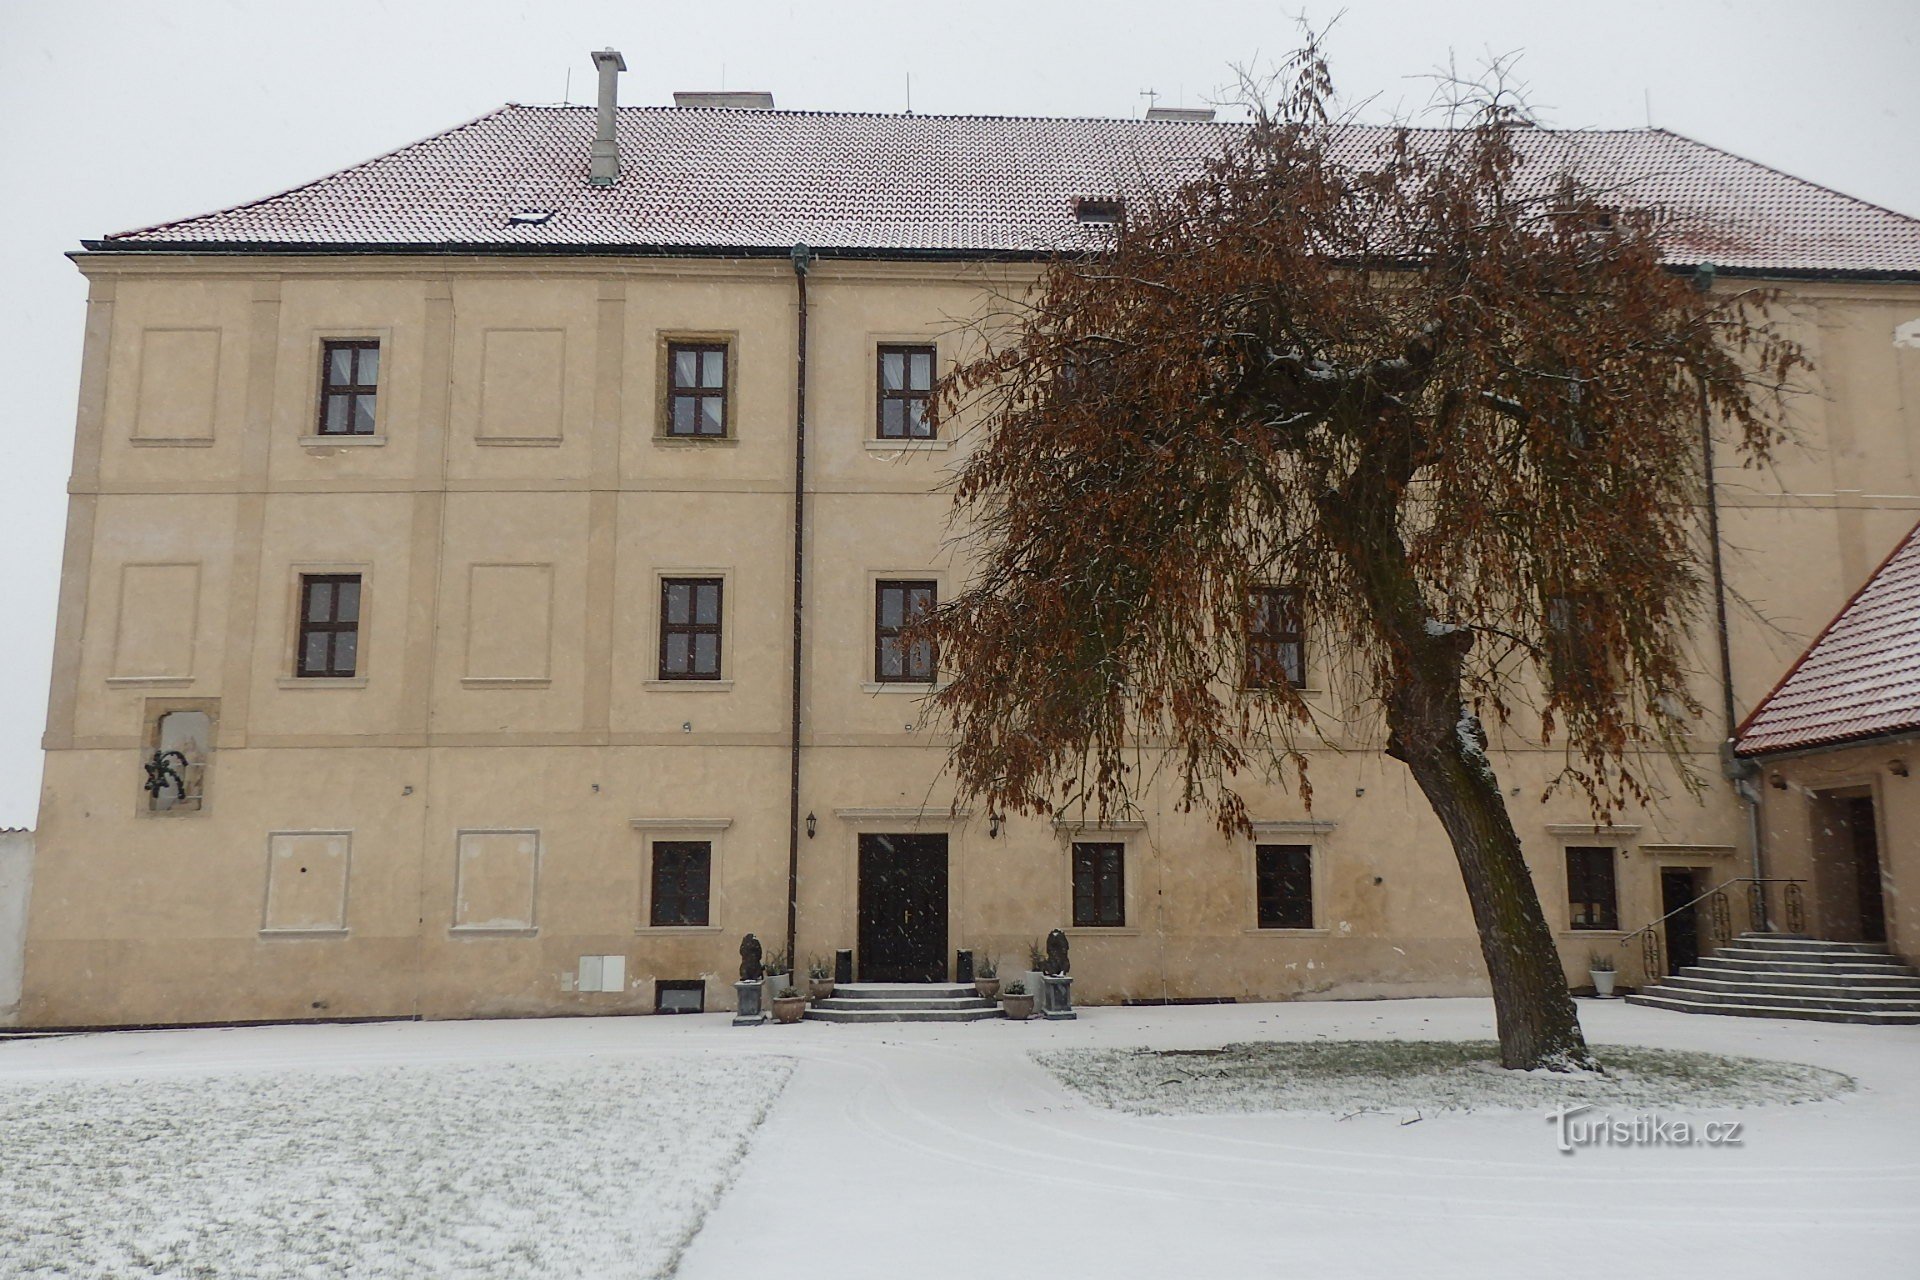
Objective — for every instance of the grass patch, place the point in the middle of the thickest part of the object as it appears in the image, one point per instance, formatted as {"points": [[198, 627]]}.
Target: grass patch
{"points": [[1424, 1076]]}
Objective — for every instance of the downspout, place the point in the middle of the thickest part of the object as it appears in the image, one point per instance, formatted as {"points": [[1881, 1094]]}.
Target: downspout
{"points": [[1743, 774], [802, 262]]}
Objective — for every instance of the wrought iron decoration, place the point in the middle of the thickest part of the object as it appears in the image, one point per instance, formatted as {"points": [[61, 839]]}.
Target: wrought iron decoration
{"points": [[160, 773]]}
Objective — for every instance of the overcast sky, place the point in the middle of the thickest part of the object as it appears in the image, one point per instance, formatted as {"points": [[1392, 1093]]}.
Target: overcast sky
{"points": [[117, 115]]}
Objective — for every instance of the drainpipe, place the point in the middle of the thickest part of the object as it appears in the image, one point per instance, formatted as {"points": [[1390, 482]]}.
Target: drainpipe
{"points": [[802, 263], [1743, 774]]}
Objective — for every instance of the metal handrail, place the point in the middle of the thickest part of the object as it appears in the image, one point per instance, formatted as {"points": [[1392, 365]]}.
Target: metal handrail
{"points": [[1754, 880]]}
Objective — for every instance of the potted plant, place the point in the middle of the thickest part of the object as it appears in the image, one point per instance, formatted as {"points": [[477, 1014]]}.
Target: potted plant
{"points": [[1600, 969], [986, 978], [789, 1005], [1016, 1001], [819, 978], [1036, 965], [779, 973]]}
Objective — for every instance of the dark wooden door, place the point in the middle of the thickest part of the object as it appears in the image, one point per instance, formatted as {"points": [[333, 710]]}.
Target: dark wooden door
{"points": [[903, 908], [1866, 869], [1683, 930]]}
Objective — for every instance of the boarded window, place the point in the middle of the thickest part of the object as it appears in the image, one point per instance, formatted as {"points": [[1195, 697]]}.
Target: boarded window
{"points": [[496, 881], [682, 881], [1099, 884], [1592, 901], [1283, 885], [307, 881]]}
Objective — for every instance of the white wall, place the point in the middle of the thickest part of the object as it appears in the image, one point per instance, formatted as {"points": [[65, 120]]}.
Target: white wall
{"points": [[16, 873]]}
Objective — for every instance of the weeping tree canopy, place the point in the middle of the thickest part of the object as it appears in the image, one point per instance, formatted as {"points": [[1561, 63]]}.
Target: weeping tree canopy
{"points": [[1449, 406], [1430, 393]]}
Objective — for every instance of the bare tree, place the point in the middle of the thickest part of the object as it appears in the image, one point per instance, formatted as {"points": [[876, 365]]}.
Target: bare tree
{"points": [[1449, 402]]}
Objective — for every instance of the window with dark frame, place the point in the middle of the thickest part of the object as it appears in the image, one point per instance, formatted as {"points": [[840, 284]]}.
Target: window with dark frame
{"points": [[1592, 895], [1283, 885], [1276, 639], [680, 996], [897, 605], [349, 383], [690, 628], [1099, 884], [904, 404], [329, 625], [697, 390], [682, 876]]}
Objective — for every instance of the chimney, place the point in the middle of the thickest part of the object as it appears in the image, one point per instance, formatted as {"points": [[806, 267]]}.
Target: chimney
{"points": [[606, 132], [1180, 113]]}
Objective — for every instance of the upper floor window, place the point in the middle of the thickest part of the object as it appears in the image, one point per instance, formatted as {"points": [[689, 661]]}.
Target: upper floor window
{"points": [[1099, 884], [697, 389], [1592, 898], [905, 401], [329, 624], [349, 383], [690, 628], [1276, 639], [896, 659], [1283, 886]]}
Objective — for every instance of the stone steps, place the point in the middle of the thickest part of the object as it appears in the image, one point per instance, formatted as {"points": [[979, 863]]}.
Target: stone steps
{"points": [[1782, 976], [902, 1002]]}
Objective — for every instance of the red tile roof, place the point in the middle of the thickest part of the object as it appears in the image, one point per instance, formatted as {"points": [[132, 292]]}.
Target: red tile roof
{"points": [[1860, 678], [716, 180]]}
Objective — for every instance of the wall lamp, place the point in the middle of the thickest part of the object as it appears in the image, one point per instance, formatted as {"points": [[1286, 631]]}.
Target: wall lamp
{"points": [[813, 824], [993, 826]]}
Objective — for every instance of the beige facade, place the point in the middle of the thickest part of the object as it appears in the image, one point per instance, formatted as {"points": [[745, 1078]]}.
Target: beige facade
{"points": [[451, 829]]}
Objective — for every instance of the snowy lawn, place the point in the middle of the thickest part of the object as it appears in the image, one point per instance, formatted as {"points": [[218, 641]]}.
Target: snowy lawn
{"points": [[1419, 1077], [504, 1169]]}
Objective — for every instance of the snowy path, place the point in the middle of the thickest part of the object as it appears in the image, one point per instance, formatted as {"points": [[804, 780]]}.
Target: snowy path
{"points": [[944, 1151]]}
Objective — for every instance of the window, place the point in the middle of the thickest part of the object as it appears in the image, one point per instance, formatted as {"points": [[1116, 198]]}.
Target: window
{"points": [[1591, 902], [905, 400], [329, 624], [1276, 641], [1577, 654], [897, 606], [690, 628], [1283, 885], [682, 871], [697, 390], [1099, 885], [177, 766], [684, 996], [349, 382]]}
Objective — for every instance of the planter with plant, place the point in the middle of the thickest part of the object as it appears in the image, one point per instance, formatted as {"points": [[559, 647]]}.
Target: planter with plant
{"points": [[778, 972], [1016, 1000], [789, 1004], [1036, 966], [986, 978], [819, 978], [1600, 969]]}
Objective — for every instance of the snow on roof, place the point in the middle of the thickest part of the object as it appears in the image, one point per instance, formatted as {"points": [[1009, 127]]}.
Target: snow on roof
{"points": [[1860, 678], [718, 180]]}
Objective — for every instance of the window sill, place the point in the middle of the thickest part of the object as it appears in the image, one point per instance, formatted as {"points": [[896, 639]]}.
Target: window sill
{"points": [[1577, 931], [343, 441], [697, 442], [518, 442], [673, 930], [689, 686], [908, 446], [171, 442], [148, 682], [178, 811], [1259, 932], [322, 682], [490, 931], [302, 933], [900, 686], [1102, 931], [505, 682]]}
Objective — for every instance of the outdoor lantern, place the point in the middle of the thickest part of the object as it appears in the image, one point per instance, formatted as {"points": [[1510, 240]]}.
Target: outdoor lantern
{"points": [[993, 826], [812, 825]]}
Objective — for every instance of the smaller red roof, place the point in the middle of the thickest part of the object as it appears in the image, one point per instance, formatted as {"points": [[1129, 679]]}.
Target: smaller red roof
{"points": [[1860, 678]]}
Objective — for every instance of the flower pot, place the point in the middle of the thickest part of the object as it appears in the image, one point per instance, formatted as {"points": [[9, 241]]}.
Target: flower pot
{"points": [[789, 1008], [1019, 1008], [819, 988], [1603, 982], [986, 988], [775, 984]]}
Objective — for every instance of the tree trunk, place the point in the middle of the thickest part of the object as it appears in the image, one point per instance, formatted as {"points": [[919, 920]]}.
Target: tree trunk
{"points": [[1442, 743]]}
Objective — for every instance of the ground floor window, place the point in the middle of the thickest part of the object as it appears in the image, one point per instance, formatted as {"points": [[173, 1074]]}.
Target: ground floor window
{"points": [[1283, 885], [1099, 884], [682, 880], [1592, 900]]}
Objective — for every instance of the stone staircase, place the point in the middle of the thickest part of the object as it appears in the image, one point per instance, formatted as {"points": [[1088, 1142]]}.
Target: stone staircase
{"points": [[1780, 975], [902, 1002]]}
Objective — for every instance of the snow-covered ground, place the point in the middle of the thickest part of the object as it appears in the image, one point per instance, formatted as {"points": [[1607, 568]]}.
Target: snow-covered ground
{"points": [[948, 1151]]}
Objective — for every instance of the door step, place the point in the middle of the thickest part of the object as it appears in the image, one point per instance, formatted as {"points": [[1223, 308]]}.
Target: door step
{"points": [[1777, 976], [903, 1002]]}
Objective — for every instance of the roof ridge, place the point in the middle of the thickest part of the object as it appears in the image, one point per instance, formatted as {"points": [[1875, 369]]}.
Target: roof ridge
{"points": [[355, 167]]}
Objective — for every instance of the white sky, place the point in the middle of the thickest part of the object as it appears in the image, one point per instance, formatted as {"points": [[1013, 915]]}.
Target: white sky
{"points": [[114, 115]]}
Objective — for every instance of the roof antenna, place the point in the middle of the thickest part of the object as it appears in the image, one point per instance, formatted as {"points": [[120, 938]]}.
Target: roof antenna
{"points": [[566, 94], [909, 93], [1152, 96], [1647, 95]]}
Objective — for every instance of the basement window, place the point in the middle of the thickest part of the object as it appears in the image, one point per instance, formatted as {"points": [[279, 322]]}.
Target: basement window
{"points": [[1098, 212], [680, 996]]}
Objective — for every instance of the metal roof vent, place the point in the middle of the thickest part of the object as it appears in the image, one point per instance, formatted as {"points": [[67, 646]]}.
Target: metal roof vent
{"points": [[736, 101], [1202, 114]]}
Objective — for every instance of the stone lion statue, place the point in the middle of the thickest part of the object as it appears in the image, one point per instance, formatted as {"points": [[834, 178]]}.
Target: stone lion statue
{"points": [[1056, 965], [751, 969]]}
